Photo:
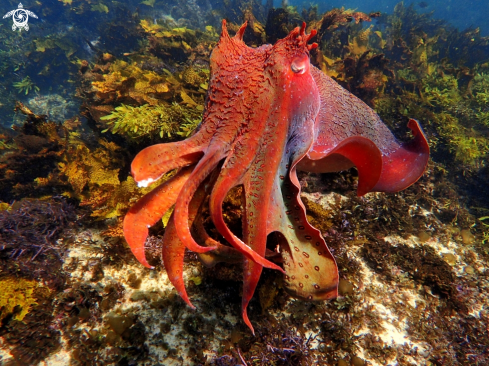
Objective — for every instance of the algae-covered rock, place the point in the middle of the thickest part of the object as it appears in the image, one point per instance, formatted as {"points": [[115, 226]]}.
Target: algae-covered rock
{"points": [[16, 297]]}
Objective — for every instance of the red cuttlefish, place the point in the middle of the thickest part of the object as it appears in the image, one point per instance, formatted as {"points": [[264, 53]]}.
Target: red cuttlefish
{"points": [[268, 113]]}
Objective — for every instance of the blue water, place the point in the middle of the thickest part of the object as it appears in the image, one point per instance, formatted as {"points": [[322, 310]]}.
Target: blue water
{"points": [[459, 13]]}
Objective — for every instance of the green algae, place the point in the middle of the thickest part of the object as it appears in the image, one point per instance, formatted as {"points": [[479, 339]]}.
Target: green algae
{"points": [[25, 86], [454, 117], [480, 92], [147, 120]]}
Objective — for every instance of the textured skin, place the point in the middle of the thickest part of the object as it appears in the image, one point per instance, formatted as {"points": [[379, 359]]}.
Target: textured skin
{"points": [[268, 113]]}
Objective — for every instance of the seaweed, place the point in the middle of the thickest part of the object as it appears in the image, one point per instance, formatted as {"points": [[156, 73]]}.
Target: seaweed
{"points": [[36, 336], [121, 334], [150, 101], [277, 25], [149, 120], [31, 157], [93, 176], [29, 232], [16, 297], [178, 44], [366, 76], [422, 263], [125, 82], [120, 35], [25, 86]]}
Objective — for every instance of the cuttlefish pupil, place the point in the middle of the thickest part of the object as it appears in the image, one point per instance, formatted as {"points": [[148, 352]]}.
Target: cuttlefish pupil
{"points": [[279, 124]]}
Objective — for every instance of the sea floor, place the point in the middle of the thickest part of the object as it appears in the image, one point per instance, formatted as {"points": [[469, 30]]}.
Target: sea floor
{"points": [[385, 316]]}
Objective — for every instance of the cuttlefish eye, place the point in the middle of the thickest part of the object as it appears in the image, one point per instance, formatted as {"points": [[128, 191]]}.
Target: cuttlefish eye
{"points": [[299, 64]]}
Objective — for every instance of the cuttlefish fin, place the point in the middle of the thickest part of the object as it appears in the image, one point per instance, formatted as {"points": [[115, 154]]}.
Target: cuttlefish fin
{"points": [[405, 165], [350, 133]]}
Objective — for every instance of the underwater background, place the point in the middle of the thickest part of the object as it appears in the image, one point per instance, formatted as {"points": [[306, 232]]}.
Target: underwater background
{"points": [[93, 82]]}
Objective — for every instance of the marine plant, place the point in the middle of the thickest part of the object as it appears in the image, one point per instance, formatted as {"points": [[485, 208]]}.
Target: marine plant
{"points": [[408, 24], [36, 336], [83, 167], [440, 91], [453, 114], [38, 225], [147, 120], [149, 100], [93, 176], [346, 53], [470, 150], [139, 121], [32, 154], [25, 85], [30, 233], [112, 201], [129, 83], [480, 101], [178, 43]]}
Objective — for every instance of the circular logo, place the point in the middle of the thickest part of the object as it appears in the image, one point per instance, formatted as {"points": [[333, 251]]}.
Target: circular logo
{"points": [[20, 18]]}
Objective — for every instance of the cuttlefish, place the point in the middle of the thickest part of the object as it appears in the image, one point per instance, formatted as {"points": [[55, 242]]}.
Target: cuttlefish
{"points": [[268, 113]]}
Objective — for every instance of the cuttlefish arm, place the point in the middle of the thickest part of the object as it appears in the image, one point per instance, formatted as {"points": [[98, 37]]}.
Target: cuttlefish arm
{"points": [[348, 132], [149, 209], [173, 250]]}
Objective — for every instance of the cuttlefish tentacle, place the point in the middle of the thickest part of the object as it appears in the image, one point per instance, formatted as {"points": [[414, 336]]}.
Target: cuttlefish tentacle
{"points": [[149, 209], [249, 252], [310, 269], [251, 270], [251, 276], [222, 253]]}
